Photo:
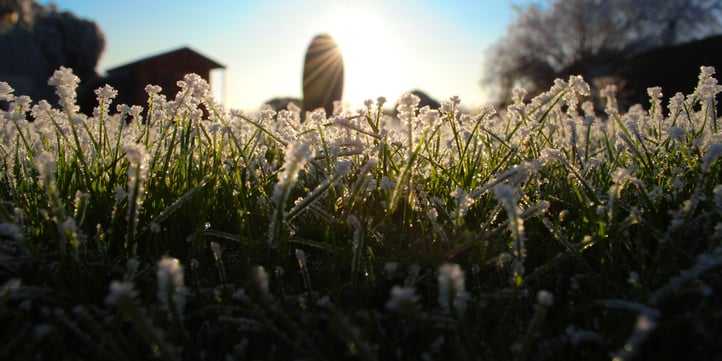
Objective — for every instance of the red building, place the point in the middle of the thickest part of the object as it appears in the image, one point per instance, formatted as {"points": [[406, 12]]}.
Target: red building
{"points": [[163, 69]]}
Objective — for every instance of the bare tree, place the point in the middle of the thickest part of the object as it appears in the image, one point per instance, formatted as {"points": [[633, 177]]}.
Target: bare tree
{"points": [[587, 36], [36, 39]]}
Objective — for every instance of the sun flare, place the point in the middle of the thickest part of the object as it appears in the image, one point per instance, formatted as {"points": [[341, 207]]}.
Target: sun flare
{"points": [[367, 45]]}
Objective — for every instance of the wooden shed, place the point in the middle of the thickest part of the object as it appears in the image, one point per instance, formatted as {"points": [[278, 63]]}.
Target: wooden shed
{"points": [[163, 69]]}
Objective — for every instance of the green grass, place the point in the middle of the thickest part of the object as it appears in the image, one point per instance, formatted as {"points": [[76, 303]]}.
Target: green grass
{"points": [[548, 231]]}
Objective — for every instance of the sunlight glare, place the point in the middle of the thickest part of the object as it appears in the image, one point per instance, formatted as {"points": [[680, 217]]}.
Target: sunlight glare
{"points": [[371, 64]]}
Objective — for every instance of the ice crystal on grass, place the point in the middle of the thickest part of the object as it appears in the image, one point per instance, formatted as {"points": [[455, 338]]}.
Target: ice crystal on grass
{"points": [[676, 104], [46, 165], [676, 133], [6, 91], [105, 94], [135, 154], [170, 283], [260, 277], [551, 155], [462, 202], [545, 298], [137, 171], [402, 299], [609, 95], [579, 86], [408, 103], [119, 291], [195, 85], [713, 153], [642, 329], [452, 289], [707, 86], [508, 197], [609, 197], [297, 154], [65, 83], [717, 192], [429, 117], [577, 336]]}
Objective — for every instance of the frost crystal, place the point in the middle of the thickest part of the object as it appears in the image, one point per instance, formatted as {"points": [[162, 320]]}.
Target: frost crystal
{"points": [[545, 298], [718, 197], [46, 165], [463, 201], [170, 282], [118, 291], [401, 298], [508, 198], [65, 83], [6, 91], [261, 277], [380, 101], [429, 117], [196, 86], [408, 103], [707, 86], [676, 133], [579, 86], [714, 152], [452, 288], [297, 154], [135, 153], [106, 93]]}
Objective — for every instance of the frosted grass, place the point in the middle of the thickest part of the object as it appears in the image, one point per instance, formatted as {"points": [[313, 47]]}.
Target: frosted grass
{"points": [[554, 228]]}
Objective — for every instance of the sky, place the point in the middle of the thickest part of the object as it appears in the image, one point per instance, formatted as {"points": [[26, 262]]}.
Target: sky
{"points": [[388, 46]]}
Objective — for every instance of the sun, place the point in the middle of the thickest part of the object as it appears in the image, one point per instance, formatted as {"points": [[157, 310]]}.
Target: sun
{"points": [[370, 54]]}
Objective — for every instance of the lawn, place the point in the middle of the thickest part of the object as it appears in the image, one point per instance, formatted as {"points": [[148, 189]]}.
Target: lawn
{"points": [[558, 228]]}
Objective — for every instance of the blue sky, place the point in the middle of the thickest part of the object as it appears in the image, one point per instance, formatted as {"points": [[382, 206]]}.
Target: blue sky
{"points": [[388, 46]]}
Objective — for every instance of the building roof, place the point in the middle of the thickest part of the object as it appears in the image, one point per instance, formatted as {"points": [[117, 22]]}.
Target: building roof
{"points": [[184, 54]]}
